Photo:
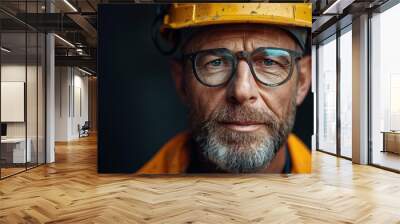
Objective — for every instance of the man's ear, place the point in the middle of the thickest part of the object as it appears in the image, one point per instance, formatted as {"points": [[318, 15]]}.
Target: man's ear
{"points": [[178, 77], [303, 79]]}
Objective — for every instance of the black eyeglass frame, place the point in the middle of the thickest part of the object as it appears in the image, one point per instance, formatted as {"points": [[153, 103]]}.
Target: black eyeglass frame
{"points": [[295, 56]]}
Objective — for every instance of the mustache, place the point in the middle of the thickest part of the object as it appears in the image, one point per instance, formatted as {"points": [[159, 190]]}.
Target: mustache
{"points": [[233, 113]]}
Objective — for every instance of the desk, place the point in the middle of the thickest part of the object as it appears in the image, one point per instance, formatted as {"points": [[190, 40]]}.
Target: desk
{"points": [[13, 150], [391, 141]]}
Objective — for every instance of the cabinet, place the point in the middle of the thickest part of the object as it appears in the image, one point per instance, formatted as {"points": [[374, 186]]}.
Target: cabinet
{"points": [[391, 141]]}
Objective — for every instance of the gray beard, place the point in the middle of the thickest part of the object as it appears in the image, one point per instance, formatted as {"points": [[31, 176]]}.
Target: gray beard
{"points": [[241, 152]]}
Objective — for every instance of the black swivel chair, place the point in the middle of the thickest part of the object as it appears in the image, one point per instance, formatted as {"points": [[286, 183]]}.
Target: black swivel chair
{"points": [[84, 130]]}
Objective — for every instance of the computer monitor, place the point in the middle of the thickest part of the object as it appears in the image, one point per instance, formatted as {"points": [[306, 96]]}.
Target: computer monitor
{"points": [[3, 129]]}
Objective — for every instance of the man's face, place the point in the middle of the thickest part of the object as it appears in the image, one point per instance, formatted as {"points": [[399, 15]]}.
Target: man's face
{"points": [[241, 125]]}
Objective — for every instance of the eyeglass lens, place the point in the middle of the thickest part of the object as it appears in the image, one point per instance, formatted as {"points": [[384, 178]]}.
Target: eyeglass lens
{"points": [[271, 66]]}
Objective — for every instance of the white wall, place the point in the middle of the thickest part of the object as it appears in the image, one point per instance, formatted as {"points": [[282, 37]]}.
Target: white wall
{"points": [[70, 88], [9, 73], [62, 81], [80, 103], [16, 73], [33, 126]]}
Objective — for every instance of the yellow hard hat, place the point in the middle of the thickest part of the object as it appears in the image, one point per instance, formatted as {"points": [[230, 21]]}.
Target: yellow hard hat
{"points": [[296, 18], [201, 14]]}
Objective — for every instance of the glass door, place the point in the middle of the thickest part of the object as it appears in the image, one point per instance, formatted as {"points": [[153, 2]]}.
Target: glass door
{"points": [[14, 153], [22, 77]]}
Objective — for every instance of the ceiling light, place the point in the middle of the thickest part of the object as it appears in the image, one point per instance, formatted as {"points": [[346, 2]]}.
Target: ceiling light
{"points": [[65, 41], [337, 7], [84, 71], [5, 50], [70, 5]]}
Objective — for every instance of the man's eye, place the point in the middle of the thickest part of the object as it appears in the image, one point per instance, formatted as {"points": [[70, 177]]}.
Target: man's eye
{"points": [[216, 62], [269, 62]]}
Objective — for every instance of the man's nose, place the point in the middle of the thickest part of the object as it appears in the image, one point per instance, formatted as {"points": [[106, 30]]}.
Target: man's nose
{"points": [[243, 87]]}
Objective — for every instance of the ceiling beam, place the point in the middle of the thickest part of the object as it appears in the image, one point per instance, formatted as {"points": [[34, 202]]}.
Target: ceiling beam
{"points": [[84, 61], [86, 26]]}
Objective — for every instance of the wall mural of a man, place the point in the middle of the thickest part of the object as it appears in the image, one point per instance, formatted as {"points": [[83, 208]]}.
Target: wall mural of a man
{"points": [[241, 69]]}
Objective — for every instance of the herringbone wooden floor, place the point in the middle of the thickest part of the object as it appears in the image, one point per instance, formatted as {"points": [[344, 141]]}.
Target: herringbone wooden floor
{"points": [[71, 191]]}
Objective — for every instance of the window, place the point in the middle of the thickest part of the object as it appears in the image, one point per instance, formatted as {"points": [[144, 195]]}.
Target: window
{"points": [[385, 89], [327, 96], [346, 92]]}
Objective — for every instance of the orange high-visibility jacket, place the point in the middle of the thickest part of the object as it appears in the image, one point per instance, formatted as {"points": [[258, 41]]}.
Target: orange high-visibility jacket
{"points": [[174, 157]]}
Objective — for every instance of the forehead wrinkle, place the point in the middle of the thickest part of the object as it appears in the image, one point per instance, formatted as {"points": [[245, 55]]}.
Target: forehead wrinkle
{"points": [[285, 41], [241, 39], [198, 43], [244, 41], [280, 42]]}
